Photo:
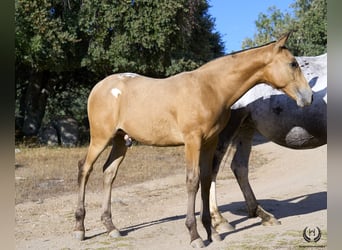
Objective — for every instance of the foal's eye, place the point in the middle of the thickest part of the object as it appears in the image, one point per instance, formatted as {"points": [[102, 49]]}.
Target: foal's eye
{"points": [[294, 64]]}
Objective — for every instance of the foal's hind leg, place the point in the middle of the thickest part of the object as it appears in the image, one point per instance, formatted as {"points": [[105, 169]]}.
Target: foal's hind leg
{"points": [[239, 165], [110, 169], [85, 167]]}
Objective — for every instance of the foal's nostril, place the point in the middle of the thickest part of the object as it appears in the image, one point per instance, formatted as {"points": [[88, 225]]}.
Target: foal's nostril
{"points": [[305, 97], [310, 99]]}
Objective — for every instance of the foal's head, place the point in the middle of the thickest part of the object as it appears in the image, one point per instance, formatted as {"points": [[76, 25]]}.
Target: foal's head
{"points": [[283, 72]]}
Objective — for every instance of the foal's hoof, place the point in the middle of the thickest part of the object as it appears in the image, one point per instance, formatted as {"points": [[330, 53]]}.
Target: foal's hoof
{"points": [[114, 233], [79, 235], [224, 227], [198, 243]]}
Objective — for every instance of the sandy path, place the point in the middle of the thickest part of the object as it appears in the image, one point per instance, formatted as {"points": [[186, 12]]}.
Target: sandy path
{"points": [[151, 215]]}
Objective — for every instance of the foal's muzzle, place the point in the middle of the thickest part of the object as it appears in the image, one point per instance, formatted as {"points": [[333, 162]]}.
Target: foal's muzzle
{"points": [[304, 97]]}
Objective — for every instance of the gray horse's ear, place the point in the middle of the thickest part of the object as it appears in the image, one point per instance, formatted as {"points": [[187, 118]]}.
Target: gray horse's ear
{"points": [[281, 41]]}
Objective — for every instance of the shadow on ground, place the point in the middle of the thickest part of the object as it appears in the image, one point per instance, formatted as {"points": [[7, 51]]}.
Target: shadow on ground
{"points": [[299, 205]]}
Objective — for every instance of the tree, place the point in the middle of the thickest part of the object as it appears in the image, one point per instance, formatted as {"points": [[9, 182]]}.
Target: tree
{"points": [[64, 47], [148, 37], [45, 42], [269, 27], [309, 26]]}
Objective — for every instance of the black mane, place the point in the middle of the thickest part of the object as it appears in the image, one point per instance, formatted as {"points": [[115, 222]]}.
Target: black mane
{"points": [[239, 51]]}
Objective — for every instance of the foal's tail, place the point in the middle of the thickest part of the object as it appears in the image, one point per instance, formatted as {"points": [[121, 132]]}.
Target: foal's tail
{"points": [[103, 108]]}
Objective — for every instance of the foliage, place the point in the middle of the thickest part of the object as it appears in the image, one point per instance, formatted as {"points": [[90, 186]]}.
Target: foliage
{"points": [[269, 27], [147, 37], [62, 48], [67, 100], [45, 35], [309, 26], [133, 37]]}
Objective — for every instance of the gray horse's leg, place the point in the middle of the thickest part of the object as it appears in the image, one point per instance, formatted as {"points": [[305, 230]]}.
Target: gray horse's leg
{"points": [[243, 143], [110, 169]]}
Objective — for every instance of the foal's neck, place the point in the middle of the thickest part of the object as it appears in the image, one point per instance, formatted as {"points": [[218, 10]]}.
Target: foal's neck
{"points": [[233, 75]]}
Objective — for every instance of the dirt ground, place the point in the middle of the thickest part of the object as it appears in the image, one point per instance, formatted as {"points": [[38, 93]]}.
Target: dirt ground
{"points": [[292, 185]]}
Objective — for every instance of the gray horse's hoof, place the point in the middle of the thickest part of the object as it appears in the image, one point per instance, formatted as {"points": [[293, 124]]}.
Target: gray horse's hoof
{"points": [[114, 233], [224, 227], [271, 222], [216, 237], [79, 235], [198, 243]]}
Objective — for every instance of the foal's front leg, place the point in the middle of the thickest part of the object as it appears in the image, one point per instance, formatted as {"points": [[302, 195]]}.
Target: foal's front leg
{"points": [[206, 159], [192, 154]]}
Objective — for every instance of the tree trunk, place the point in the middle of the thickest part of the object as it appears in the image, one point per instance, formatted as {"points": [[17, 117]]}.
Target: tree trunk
{"points": [[35, 102]]}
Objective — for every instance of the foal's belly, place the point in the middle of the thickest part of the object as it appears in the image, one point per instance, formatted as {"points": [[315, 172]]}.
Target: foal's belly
{"points": [[153, 131]]}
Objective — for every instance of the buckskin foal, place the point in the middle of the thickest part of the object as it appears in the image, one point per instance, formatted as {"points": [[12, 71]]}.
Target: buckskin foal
{"points": [[189, 109]]}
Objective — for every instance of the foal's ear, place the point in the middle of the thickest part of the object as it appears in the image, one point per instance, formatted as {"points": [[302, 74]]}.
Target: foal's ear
{"points": [[281, 41]]}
